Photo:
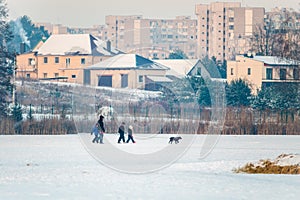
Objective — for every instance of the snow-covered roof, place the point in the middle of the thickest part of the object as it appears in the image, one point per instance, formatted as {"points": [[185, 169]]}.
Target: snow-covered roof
{"points": [[159, 79], [128, 61], [72, 44], [273, 60], [178, 67]]}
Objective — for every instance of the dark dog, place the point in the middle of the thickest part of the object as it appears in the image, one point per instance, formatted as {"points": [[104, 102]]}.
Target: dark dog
{"points": [[175, 139]]}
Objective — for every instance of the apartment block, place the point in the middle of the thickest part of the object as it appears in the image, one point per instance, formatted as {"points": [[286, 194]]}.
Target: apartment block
{"points": [[225, 28], [153, 38]]}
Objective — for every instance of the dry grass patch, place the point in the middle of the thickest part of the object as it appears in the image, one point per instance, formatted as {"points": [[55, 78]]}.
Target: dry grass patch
{"points": [[283, 164]]}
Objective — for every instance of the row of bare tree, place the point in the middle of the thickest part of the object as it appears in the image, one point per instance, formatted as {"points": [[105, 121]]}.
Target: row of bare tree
{"points": [[45, 126], [237, 121]]}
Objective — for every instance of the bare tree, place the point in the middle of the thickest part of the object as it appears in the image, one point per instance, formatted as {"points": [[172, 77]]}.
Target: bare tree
{"points": [[280, 35]]}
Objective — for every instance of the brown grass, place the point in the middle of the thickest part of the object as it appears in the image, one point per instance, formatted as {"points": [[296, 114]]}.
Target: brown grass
{"points": [[268, 167]]}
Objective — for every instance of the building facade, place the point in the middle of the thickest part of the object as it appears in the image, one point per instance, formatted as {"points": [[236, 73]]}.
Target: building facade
{"points": [[62, 57], [124, 71], [225, 28], [260, 71], [153, 38]]}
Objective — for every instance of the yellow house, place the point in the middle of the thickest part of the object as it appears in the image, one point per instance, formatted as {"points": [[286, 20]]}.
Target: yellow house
{"points": [[260, 71], [63, 56], [125, 71]]}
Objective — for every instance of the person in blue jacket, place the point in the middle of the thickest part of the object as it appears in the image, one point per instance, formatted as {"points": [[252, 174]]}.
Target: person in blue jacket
{"points": [[101, 129], [96, 133]]}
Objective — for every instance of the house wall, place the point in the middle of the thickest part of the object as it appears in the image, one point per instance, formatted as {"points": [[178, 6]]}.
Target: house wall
{"points": [[24, 67], [51, 68], [133, 77], [239, 70]]}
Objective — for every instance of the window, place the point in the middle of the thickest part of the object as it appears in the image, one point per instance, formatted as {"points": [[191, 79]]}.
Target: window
{"points": [[141, 78], [56, 60], [31, 61], [296, 74], [105, 81], [249, 71], [56, 75], [269, 74], [282, 74], [231, 27], [73, 76], [27, 75], [231, 19], [45, 59], [45, 75], [231, 71], [124, 80], [68, 62], [83, 61]]}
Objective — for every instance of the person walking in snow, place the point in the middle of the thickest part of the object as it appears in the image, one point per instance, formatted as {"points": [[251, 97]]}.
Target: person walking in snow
{"points": [[101, 129], [130, 134], [95, 132], [121, 131]]}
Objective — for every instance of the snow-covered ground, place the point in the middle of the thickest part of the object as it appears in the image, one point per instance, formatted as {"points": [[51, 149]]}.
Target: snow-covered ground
{"points": [[63, 167]]}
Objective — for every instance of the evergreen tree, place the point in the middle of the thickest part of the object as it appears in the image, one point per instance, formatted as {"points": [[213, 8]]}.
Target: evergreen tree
{"points": [[238, 93], [199, 85], [263, 100], [6, 61], [17, 113], [177, 54], [29, 115], [26, 32], [277, 97]]}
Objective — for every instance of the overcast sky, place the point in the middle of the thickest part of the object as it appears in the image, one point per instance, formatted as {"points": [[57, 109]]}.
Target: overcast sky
{"points": [[85, 13]]}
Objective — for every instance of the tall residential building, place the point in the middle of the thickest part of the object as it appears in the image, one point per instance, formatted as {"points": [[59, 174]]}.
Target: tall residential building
{"points": [[153, 38], [225, 28]]}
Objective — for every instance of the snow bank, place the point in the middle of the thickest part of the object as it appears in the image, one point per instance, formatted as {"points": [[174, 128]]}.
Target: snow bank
{"points": [[288, 159]]}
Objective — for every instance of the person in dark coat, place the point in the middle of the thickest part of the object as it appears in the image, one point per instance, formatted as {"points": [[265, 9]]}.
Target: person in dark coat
{"points": [[101, 129], [121, 131], [130, 134]]}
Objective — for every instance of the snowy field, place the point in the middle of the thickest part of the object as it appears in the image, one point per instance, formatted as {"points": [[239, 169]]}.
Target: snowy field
{"points": [[64, 167]]}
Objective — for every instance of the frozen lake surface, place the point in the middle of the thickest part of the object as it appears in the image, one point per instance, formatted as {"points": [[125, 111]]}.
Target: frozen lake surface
{"points": [[64, 167]]}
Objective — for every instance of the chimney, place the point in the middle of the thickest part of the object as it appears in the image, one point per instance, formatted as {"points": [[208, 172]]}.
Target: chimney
{"points": [[22, 47], [108, 45]]}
